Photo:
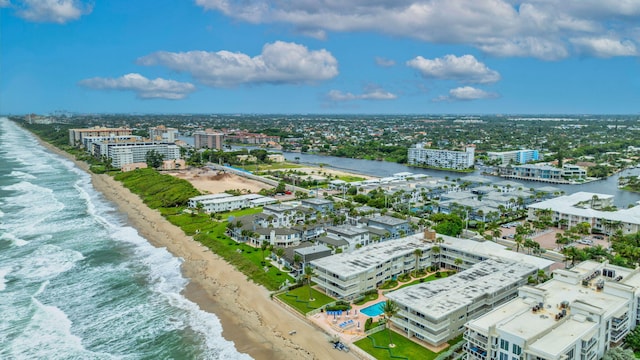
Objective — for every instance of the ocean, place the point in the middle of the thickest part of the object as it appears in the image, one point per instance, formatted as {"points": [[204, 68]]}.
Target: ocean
{"points": [[78, 282]]}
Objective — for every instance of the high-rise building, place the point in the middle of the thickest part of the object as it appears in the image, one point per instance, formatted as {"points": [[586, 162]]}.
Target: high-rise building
{"points": [[514, 157], [446, 159], [208, 139]]}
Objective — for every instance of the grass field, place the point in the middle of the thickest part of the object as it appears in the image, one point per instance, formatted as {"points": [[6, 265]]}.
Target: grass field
{"points": [[298, 298], [377, 345]]}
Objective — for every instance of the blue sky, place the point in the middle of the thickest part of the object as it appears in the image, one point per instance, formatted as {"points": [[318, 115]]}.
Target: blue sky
{"points": [[320, 56]]}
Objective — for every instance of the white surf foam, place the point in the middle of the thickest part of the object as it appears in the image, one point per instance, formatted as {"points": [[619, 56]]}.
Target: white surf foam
{"points": [[14, 239], [3, 281], [47, 262]]}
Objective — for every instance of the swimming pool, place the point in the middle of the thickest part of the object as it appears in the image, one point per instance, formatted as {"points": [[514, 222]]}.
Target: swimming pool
{"points": [[373, 310]]}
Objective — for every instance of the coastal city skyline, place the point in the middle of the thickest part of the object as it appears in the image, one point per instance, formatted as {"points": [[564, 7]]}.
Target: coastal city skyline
{"points": [[208, 56]]}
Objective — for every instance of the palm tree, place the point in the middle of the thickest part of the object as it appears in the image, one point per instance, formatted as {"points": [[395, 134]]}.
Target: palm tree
{"points": [[418, 254], [496, 233], [308, 274], [436, 252], [519, 240], [297, 259], [390, 308], [279, 254], [458, 262], [263, 247]]}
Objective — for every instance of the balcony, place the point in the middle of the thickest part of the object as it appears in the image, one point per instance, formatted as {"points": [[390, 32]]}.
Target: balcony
{"points": [[475, 352]]}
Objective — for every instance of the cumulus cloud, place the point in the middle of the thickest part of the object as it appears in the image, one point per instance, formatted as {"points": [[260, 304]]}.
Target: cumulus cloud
{"points": [[605, 47], [49, 11], [371, 93], [465, 68], [532, 28], [144, 88], [380, 61], [280, 62], [466, 93]]}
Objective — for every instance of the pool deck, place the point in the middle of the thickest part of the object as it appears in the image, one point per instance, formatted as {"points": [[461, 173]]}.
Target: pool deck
{"points": [[350, 334]]}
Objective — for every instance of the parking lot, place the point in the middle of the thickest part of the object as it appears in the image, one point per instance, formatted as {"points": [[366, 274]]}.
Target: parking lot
{"points": [[547, 238]]}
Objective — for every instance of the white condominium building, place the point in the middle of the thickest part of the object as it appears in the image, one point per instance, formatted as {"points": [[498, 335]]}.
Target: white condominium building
{"points": [[133, 152], [76, 136], [349, 275], [436, 311], [514, 157], [448, 159], [581, 207], [578, 314], [214, 203]]}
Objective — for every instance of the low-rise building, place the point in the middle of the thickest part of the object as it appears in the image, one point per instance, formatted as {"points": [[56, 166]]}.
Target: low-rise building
{"points": [[436, 311], [214, 203], [586, 207], [396, 227], [322, 205], [579, 314]]}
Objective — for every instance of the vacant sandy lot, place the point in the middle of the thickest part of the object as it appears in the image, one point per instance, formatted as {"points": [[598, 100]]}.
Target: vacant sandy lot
{"points": [[213, 181]]}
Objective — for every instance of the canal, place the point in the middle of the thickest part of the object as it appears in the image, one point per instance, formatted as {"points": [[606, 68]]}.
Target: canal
{"points": [[608, 186]]}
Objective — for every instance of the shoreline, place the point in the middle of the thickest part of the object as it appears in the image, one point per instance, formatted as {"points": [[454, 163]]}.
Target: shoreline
{"points": [[257, 325]]}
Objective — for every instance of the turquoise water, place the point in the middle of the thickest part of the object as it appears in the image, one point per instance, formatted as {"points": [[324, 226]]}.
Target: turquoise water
{"points": [[76, 281], [373, 310]]}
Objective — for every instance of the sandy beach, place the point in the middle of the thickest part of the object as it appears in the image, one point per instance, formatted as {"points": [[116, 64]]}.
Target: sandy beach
{"points": [[257, 325]]}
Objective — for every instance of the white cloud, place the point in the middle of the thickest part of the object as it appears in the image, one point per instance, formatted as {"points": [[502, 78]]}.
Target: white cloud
{"points": [[55, 11], [144, 88], [450, 67], [605, 47], [532, 28], [5, 3], [279, 62], [371, 93], [380, 61], [466, 93]]}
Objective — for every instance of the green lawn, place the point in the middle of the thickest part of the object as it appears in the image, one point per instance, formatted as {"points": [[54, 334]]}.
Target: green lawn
{"points": [[245, 258], [268, 167], [298, 298], [367, 298], [427, 279], [351, 178], [243, 212], [377, 345]]}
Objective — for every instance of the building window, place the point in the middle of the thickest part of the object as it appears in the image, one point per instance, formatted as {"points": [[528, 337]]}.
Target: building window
{"points": [[504, 344], [516, 349], [504, 356]]}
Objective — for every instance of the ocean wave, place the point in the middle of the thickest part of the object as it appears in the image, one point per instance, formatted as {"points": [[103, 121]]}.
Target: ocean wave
{"points": [[47, 262], [48, 335], [13, 239], [22, 175], [3, 281], [166, 279]]}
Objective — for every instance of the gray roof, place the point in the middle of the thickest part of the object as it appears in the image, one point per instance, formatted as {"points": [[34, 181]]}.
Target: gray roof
{"points": [[317, 201], [346, 230], [388, 220], [332, 241], [437, 299]]}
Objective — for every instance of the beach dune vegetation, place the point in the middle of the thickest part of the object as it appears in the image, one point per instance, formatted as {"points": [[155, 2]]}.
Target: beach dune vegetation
{"points": [[158, 190]]}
